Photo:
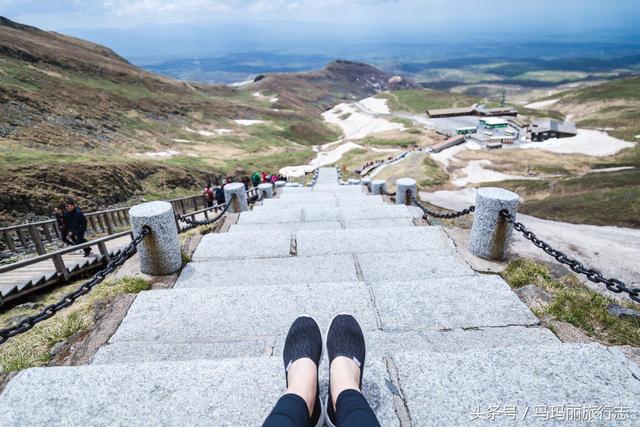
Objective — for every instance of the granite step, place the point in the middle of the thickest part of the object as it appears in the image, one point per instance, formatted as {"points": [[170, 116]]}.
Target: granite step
{"points": [[531, 383], [323, 213], [291, 227], [536, 385], [294, 227], [278, 243], [396, 239], [225, 392], [372, 201], [265, 244], [379, 343], [239, 312], [268, 271], [377, 266]]}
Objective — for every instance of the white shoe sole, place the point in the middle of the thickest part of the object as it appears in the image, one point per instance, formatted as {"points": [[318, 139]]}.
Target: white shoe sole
{"points": [[323, 409], [326, 402]]}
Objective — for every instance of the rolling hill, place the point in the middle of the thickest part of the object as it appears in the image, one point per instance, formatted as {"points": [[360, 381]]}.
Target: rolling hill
{"points": [[79, 120]]}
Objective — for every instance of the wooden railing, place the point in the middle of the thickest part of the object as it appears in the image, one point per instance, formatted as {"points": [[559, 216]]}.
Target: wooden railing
{"points": [[62, 272], [107, 221], [33, 236]]}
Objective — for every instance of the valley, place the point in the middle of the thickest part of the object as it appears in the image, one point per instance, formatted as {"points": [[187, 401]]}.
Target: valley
{"points": [[69, 104]]}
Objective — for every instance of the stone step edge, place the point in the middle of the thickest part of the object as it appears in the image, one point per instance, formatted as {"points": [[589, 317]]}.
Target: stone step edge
{"points": [[274, 338], [617, 354]]}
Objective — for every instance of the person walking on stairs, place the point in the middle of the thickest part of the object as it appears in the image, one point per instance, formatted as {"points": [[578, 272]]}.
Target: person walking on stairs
{"points": [[77, 223], [208, 195], [345, 406], [62, 221]]}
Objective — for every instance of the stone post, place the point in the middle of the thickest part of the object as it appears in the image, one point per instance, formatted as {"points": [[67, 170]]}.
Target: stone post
{"points": [[280, 184], [378, 186], [159, 251], [490, 233], [366, 182], [239, 203], [402, 186], [265, 190]]}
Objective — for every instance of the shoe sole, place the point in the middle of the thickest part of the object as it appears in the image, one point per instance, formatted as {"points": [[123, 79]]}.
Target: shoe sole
{"points": [[323, 409]]}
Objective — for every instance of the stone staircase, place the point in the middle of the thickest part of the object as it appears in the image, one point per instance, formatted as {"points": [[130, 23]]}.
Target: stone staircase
{"points": [[445, 344]]}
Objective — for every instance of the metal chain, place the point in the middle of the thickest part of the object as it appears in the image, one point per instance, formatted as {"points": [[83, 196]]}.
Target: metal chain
{"points": [[451, 215], [613, 285], [68, 299], [255, 199], [192, 223]]}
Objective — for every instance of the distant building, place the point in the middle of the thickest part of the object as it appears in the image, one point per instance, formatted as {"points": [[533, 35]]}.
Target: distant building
{"points": [[451, 142], [502, 139], [474, 110], [541, 130], [481, 110], [493, 123], [451, 112], [466, 130]]}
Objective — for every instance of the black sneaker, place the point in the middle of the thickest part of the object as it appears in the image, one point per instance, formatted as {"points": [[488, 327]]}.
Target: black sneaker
{"points": [[305, 340], [344, 338]]}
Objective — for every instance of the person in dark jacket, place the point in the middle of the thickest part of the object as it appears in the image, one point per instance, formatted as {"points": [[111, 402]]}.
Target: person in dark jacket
{"points": [[61, 218], [77, 223], [219, 195]]}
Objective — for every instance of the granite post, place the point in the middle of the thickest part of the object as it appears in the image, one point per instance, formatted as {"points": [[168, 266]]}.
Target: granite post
{"points": [[378, 186], [159, 251], [366, 182], [265, 191], [490, 233], [404, 186], [239, 203]]}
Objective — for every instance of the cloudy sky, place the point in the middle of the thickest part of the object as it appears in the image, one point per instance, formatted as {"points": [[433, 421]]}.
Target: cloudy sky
{"points": [[147, 28], [573, 15]]}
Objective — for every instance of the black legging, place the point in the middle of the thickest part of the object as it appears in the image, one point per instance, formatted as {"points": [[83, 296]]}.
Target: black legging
{"points": [[352, 410], [78, 238]]}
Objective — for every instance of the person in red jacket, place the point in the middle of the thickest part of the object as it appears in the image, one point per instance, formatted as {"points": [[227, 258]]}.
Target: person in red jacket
{"points": [[208, 195]]}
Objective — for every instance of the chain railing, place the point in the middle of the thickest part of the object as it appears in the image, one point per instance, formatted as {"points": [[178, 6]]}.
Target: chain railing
{"points": [[613, 285], [428, 212], [68, 299], [192, 222], [255, 199]]}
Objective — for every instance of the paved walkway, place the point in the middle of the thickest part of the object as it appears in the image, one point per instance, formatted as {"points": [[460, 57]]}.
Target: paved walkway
{"points": [[446, 345]]}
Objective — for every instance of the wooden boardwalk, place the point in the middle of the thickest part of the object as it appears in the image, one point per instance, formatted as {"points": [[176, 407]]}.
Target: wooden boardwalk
{"points": [[33, 272], [12, 278]]}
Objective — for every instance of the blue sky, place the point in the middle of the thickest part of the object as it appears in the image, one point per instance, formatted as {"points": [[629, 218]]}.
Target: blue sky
{"points": [[413, 15]]}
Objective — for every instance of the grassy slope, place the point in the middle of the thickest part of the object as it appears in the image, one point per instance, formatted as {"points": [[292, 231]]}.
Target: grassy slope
{"points": [[420, 100], [575, 304], [615, 104], [67, 104], [610, 198]]}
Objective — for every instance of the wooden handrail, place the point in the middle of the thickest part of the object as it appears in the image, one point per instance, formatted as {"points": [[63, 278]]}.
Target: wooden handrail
{"points": [[60, 252]]}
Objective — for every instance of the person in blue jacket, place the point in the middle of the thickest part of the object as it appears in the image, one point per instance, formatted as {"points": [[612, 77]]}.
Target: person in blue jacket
{"points": [[77, 224]]}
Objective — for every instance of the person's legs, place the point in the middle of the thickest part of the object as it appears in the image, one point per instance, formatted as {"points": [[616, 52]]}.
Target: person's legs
{"points": [[290, 411], [302, 353], [65, 238], [79, 238], [346, 406], [353, 410]]}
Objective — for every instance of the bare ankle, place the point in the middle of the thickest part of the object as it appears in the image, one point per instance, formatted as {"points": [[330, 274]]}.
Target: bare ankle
{"points": [[344, 375], [302, 377]]}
